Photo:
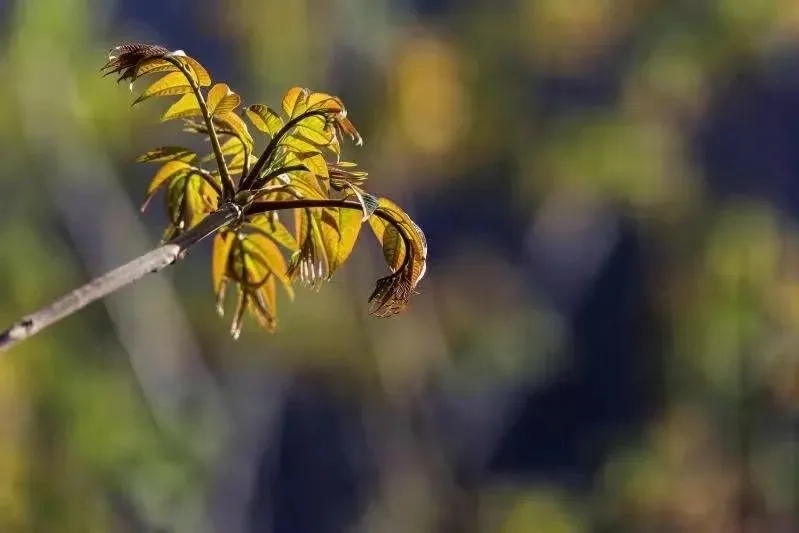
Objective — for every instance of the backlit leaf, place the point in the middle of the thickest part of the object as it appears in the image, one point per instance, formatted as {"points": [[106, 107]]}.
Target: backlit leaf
{"points": [[167, 153], [186, 106], [390, 240], [168, 171], [271, 226], [324, 101], [153, 65], [234, 122], [340, 228], [202, 77], [173, 83], [295, 101], [264, 119], [222, 100], [266, 251]]}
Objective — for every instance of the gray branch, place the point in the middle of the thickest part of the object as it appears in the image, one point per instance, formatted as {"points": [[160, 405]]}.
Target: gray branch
{"points": [[106, 284]]}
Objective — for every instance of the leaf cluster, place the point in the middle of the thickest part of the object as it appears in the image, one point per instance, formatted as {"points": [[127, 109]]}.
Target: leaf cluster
{"points": [[301, 207]]}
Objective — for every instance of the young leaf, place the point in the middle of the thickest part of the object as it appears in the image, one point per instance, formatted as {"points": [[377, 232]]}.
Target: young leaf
{"points": [[264, 119], [167, 153], [186, 106], [223, 241], [154, 65], [171, 84], [295, 102], [222, 100], [274, 229], [390, 240], [266, 251], [166, 173], [200, 74], [340, 228], [235, 125]]}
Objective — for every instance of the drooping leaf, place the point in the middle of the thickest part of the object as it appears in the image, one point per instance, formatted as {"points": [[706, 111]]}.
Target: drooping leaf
{"points": [[174, 83], [167, 172], [271, 226], [390, 240], [232, 121], [340, 229], [266, 251], [264, 119]]}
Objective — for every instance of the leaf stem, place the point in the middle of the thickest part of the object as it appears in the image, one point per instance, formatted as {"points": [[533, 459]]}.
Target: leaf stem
{"points": [[228, 188], [152, 261], [266, 155], [310, 203]]}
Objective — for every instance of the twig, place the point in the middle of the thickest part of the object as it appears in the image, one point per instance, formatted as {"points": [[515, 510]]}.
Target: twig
{"points": [[106, 284]]}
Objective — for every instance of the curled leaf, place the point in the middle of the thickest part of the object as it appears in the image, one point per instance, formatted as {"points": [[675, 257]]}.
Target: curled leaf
{"points": [[124, 59]]}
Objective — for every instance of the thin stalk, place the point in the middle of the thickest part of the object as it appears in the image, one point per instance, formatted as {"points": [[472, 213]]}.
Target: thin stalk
{"points": [[228, 187], [153, 261]]}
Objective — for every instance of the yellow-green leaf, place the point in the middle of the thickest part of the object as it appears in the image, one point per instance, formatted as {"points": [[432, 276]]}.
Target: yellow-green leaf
{"points": [[201, 75], [173, 83], [295, 102], [186, 106], [324, 101], [267, 252], [222, 100], [168, 170], [272, 227], [167, 153], [264, 119], [234, 122], [340, 228], [153, 65]]}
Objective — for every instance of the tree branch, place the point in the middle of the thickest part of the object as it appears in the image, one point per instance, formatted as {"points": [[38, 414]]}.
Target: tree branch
{"points": [[106, 284]]}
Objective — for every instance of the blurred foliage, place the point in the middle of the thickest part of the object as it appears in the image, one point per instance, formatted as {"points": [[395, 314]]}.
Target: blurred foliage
{"points": [[577, 108]]}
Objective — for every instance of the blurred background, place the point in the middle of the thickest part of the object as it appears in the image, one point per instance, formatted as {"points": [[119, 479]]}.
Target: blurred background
{"points": [[606, 340]]}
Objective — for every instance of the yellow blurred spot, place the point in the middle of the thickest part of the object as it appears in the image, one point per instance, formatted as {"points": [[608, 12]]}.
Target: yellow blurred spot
{"points": [[431, 98]]}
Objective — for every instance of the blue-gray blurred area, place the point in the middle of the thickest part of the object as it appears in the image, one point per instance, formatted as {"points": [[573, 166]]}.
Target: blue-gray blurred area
{"points": [[606, 337]]}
